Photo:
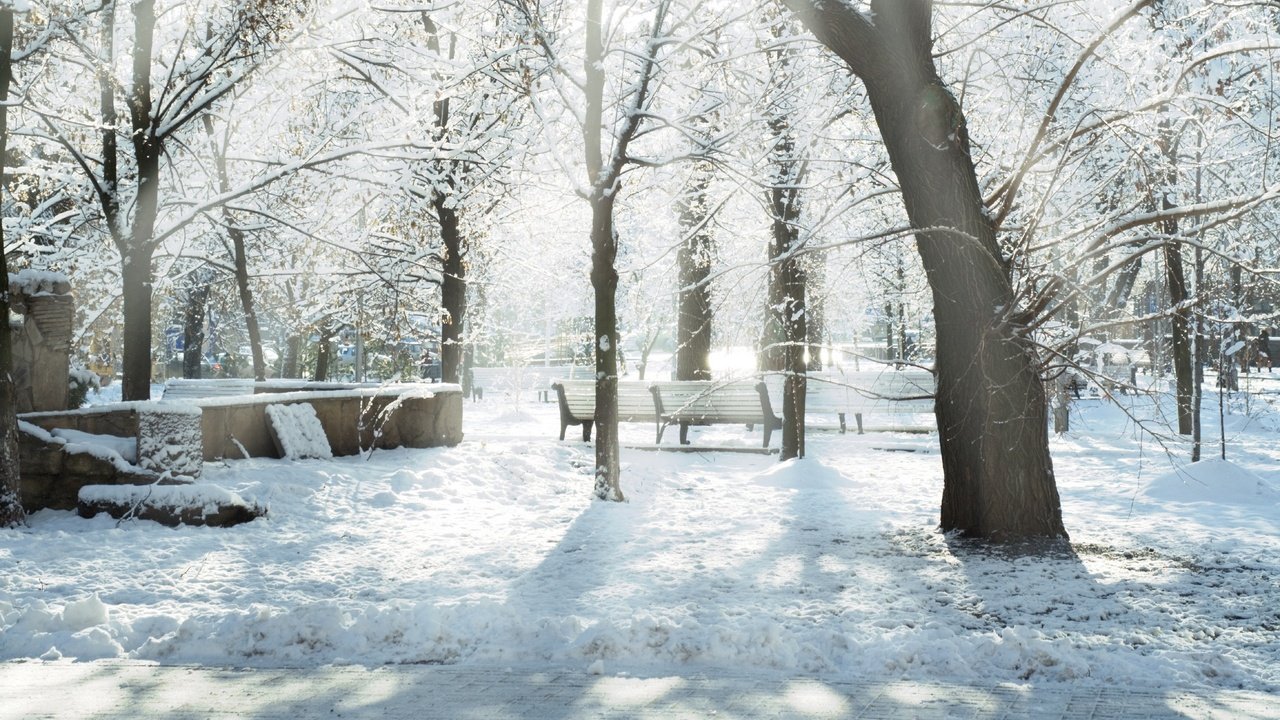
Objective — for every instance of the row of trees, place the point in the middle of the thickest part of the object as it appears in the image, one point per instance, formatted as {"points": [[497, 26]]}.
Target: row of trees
{"points": [[1059, 167]]}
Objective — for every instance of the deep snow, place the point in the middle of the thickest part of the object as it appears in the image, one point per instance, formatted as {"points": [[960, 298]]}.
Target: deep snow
{"points": [[493, 553]]}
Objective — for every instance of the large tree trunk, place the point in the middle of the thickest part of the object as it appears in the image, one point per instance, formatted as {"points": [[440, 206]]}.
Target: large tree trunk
{"points": [[796, 335], [135, 358], [453, 285], [693, 260], [788, 276], [604, 273], [137, 249], [786, 318], [604, 279], [604, 180], [991, 408], [453, 293], [11, 512]]}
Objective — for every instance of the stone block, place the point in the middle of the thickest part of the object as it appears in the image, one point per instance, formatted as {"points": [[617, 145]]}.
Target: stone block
{"points": [[172, 505]]}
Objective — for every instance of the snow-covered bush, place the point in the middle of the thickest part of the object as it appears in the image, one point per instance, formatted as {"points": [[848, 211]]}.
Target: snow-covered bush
{"points": [[79, 383]]}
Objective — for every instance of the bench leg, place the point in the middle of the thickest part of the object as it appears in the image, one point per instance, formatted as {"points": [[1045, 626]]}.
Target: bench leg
{"points": [[684, 433], [842, 426], [563, 427], [586, 430], [858, 417], [661, 426], [768, 433]]}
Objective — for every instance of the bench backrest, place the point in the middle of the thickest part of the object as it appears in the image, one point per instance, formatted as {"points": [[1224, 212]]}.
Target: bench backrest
{"points": [[734, 401], [635, 402], [179, 389], [867, 392]]}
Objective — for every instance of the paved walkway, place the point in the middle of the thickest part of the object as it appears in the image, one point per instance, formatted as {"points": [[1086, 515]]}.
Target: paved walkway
{"points": [[111, 690]]}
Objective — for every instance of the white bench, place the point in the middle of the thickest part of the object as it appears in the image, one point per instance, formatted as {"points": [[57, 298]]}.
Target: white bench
{"points": [[577, 399], [713, 402], [869, 392], [179, 389]]}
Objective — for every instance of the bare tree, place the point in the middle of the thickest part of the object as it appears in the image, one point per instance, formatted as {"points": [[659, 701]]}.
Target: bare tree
{"points": [[991, 407], [607, 154], [202, 70]]}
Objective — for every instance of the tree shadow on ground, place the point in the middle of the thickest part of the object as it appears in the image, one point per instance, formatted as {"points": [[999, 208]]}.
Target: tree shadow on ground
{"points": [[111, 691]]}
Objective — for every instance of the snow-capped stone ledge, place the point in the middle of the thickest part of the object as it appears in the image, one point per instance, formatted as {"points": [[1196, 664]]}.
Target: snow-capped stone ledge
{"points": [[136, 444], [169, 441], [354, 419], [170, 505]]}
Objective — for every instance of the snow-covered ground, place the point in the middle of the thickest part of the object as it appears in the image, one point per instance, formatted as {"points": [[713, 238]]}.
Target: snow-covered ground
{"points": [[493, 553]]}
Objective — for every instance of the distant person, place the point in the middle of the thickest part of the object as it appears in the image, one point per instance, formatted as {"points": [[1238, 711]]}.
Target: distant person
{"points": [[1264, 351]]}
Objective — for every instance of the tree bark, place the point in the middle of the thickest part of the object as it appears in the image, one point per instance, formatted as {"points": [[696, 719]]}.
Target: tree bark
{"points": [[796, 336], [1201, 342], [136, 355], [453, 285], [453, 293], [1176, 279], [293, 347], [11, 511], [137, 249], [605, 185], [991, 408], [693, 260], [788, 276], [815, 309], [1184, 376], [786, 324], [324, 352], [604, 280], [193, 318]]}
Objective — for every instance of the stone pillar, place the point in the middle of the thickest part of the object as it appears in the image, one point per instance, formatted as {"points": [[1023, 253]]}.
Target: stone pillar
{"points": [[42, 342]]}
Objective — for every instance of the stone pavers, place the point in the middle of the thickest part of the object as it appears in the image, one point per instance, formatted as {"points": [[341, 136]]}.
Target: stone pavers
{"points": [[119, 690]]}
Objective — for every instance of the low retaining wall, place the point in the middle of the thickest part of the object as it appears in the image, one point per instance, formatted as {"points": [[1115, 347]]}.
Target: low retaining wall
{"points": [[53, 470], [399, 416]]}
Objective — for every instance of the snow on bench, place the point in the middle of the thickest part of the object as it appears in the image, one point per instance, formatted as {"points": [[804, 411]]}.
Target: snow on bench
{"points": [[180, 389], [297, 432]]}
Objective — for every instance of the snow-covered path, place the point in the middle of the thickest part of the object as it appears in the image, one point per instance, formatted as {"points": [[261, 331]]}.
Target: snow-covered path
{"points": [[492, 553]]}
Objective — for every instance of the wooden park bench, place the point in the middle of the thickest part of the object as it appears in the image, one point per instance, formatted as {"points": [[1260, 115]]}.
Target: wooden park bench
{"points": [[887, 392], [577, 399], [178, 389], [712, 402]]}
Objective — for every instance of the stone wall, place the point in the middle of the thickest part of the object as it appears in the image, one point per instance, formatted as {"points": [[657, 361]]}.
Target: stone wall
{"points": [[352, 420], [52, 476], [42, 343], [222, 428]]}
